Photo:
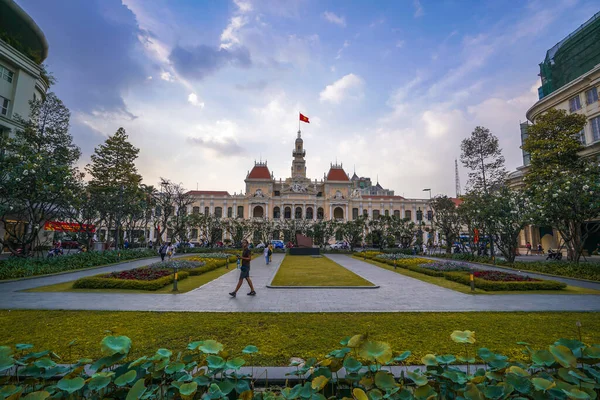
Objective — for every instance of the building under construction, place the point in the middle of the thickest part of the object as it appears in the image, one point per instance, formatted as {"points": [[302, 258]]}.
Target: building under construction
{"points": [[572, 57]]}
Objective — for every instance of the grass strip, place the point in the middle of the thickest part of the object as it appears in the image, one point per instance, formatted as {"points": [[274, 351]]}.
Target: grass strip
{"points": [[459, 287], [280, 336], [315, 271]]}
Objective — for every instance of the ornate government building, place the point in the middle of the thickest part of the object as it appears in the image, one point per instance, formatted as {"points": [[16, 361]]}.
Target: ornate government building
{"points": [[336, 196]]}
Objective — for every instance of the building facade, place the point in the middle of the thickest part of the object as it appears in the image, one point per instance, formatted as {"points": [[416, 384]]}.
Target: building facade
{"points": [[335, 196]]}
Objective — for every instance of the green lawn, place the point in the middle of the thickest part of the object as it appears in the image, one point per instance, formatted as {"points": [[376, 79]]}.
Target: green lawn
{"points": [[315, 271], [443, 282], [183, 286], [280, 336]]}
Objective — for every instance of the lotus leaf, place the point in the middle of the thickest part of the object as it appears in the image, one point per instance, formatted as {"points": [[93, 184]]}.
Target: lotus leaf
{"points": [[429, 360], [226, 386], [478, 379], [563, 373], [576, 394], [137, 390], [306, 391], [174, 367], [542, 384], [574, 345], [344, 341], [23, 346], [520, 383], [6, 363], [319, 383], [39, 395], [317, 396], [295, 361], [356, 341], [235, 363], [211, 347], [591, 352], [593, 372], [359, 394], [517, 371], [469, 360], [9, 390], [340, 353], [463, 337], [164, 353], [473, 393], [247, 395], [242, 386], [563, 355], [418, 379], [44, 363], [493, 392], [402, 356], [405, 395], [366, 381], [445, 359], [321, 371], [543, 357], [202, 380], [138, 361], [116, 345], [250, 349], [375, 394], [215, 362], [376, 351], [126, 378], [424, 392], [494, 375], [498, 364], [70, 385], [188, 389], [456, 376], [352, 365], [580, 376], [98, 382]]}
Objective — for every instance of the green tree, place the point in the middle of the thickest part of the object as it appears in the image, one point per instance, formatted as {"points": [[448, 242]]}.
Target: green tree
{"points": [[564, 186], [238, 228], [446, 219], [38, 176], [352, 231], [263, 229], [115, 182]]}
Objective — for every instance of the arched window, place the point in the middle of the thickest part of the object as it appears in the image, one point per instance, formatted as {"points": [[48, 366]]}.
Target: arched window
{"points": [[397, 214], [338, 213], [355, 213], [375, 214], [387, 213], [206, 210], [196, 210], [218, 212], [229, 212], [240, 212], [320, 213], [298, 213], [258, 212], [276, 213], [429, 215], [309, 213], [419, 215], [408, 214], [365, 213], [287, 213]]}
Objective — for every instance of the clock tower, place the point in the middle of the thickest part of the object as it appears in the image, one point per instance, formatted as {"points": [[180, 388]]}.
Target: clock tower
{"points": [[299, 163]]}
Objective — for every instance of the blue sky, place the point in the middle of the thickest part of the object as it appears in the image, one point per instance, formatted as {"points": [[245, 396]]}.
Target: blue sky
{"points": [[204, 88]]}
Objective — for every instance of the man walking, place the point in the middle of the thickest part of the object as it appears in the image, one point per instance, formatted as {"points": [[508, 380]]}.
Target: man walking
{"points": [[245, 274]]}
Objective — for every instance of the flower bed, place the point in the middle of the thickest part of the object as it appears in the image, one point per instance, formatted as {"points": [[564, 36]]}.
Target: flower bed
{"points": [[494, 286], [185, 263], [140, 274], [104, 282], [393, 256], [210, 255], [448, 266], [503, 276]]}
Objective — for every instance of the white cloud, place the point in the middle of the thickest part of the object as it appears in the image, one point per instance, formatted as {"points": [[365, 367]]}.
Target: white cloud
{"points": [[167, 76], [400, 44], [193, 100], [230, 36], [334, 19], [349, 86], [339, 52], [418, 9], [244, 6]]}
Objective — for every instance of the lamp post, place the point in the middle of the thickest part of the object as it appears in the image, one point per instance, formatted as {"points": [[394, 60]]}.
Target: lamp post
{"points": [[430, 209]]}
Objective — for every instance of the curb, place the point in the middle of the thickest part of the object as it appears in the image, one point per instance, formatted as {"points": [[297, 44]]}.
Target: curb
{"points": [[323, 287]]}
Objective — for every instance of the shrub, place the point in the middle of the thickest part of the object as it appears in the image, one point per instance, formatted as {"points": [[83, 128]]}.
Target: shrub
{"points": [[139, 274], [16, 267], [101, 282], [495, 286], [448, 266], [503, 276]]}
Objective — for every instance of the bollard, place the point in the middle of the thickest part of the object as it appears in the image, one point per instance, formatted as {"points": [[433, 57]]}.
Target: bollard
{"points": [[175, 280], [227, 263], [472, 283], [394, 263]]}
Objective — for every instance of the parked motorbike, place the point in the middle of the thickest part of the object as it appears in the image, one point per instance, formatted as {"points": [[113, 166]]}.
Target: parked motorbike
{"points": [[55, 252], [554, 255]]}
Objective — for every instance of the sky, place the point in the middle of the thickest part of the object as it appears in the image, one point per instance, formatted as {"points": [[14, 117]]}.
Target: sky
{"points": [[206, 88]]}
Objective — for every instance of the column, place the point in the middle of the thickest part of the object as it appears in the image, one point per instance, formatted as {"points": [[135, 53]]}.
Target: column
{"points": [[315, 212], [330, 211], [346, 217], [267, 217]]}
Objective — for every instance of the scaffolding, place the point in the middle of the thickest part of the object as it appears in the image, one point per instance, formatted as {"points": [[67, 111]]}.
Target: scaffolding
{"points": [[571, 57]]}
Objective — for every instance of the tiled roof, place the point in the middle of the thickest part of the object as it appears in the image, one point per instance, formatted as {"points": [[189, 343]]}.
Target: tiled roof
{"points": [[337, 174], [260, 172], [383, 197], [208, 193], [457, 202]]}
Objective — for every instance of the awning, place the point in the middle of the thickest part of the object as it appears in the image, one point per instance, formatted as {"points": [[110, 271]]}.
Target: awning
{"points": [[68, 227]]}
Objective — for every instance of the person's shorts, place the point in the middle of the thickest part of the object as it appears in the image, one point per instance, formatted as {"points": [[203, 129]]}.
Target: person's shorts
{"points": [[245, 272]]}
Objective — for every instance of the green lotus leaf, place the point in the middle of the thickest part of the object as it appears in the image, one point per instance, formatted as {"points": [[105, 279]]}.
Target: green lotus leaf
{"points": [[39, 395], [242, 386], [580, 376], [194, 345], [356, 341], [137, 362], [99, 382], [402, 356], [215, 362], [164, 353], [485, 354], [23, 346], [523, 344], [44, 363], [247, 395], [376, 351], [317, 396], [591, 352], [424, 392], [563, 373], [520, 383], [493, 392], [235, 363], [445, 359], [6, 363], [226, 386], [70, 385], [174, 367], [202, 380], [359, 394], [542, 384], [72, 343], [574, 345], [456, 376], [470, 360], [341, 353], [115, 345], [188, 389], [126, 378], [564, 356], [9, 390], [417, 378], [516, 370], [498, 364], [306, 391], [137, 390], [576, 394], [211, 347], [319, 382], [593, 372], [344, 341], [352, 365], [463, 337], [250, 349], [429, 360], [472, 392], [543, 357]]}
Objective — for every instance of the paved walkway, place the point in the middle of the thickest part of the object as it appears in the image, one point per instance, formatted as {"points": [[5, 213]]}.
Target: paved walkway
{"points": [[397, 293]]}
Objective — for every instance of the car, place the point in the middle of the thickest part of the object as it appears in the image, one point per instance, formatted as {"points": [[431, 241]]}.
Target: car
{"points": [[278, 244], [261, 245], [340, 246]]}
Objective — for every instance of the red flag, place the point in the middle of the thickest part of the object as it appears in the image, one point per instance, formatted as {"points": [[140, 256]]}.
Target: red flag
{"points": [[304, 118]]}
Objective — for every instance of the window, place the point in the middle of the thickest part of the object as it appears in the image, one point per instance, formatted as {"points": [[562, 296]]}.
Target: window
{"points": [[387, 213], [277, 193], [595, 123], [429, 215], [375, 214], [6, 74], [287, 213], [218, 212], [419, 215], [365, 213], [591, 95], [408, 214], [276, 213], [3, 106], [298, 213], [397, 214], [240, 212], [206, 210], [309, 213], [194, 233], [320, 213], [582, 136], [229, 212], [196, 210], [574, 104], [355, 213]]}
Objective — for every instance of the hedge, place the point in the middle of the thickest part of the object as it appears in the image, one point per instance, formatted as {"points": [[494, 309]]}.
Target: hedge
{"points": [[494, 286], [99, 282]]}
